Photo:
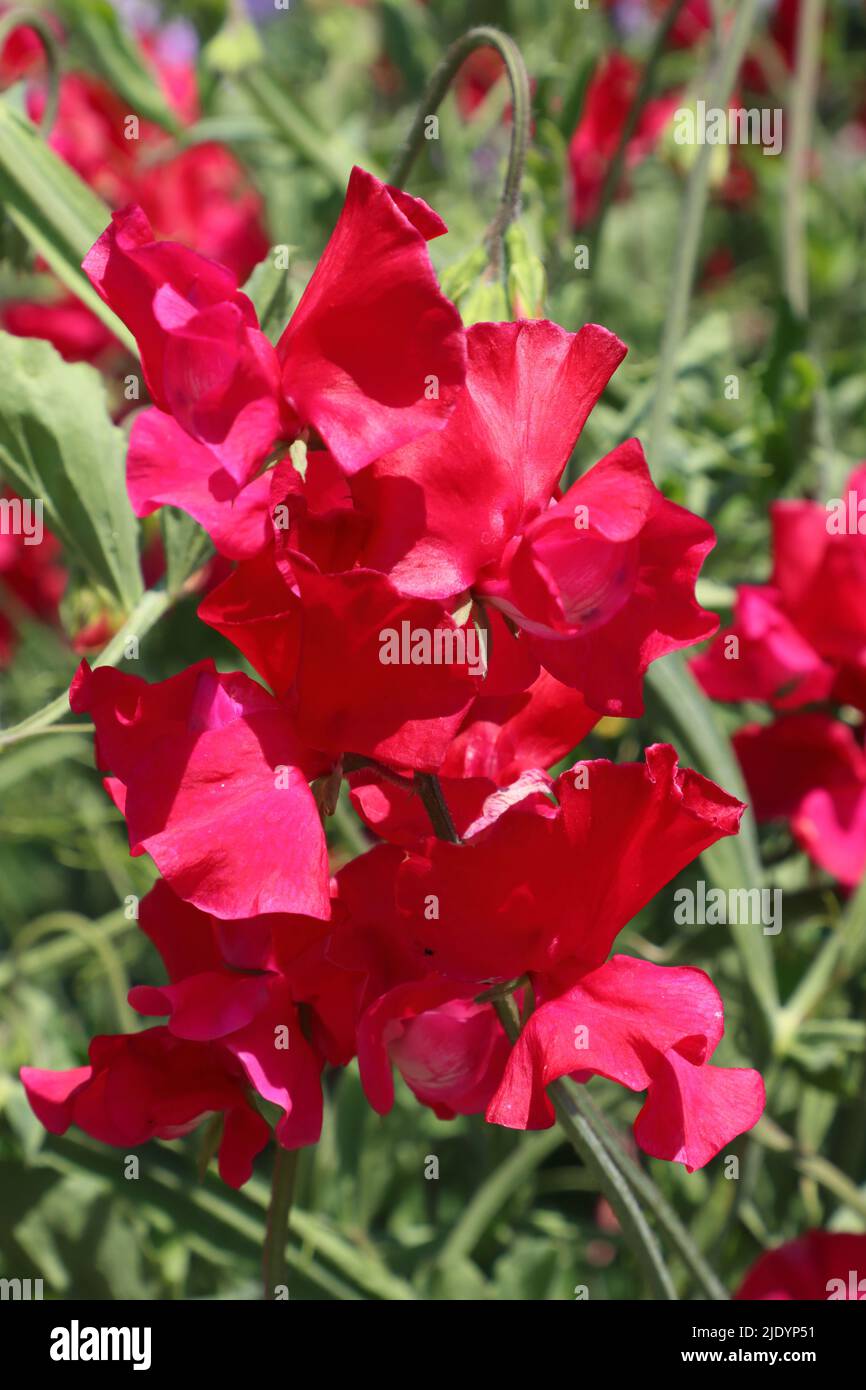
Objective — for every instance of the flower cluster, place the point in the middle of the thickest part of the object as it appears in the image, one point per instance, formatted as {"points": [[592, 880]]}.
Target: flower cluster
{"points": [[798, 644], [436, 620]]}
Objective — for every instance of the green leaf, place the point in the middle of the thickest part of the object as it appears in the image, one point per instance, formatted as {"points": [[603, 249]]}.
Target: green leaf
{"points": [[110, 51], [186, 545], [269, 287], [58, 214], [527, 281], [734, 862], [58, 444], [852, 931], [486, 303]]}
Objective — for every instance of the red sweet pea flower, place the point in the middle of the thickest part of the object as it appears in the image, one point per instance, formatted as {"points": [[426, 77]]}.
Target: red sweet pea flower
{"points": [[803, 636], [66, 323], [443, 510], [538, 887], [609, 97], [762, 656], [819, 1265], [599, 604], [202, 197], [449, 1050], [32, 580], [320, 643], [205, 361], [246, 1013], [213, 781], [541, 883], [810, 770], [354, 657], [151, 1085], [691, 25], [533, 864], [374, 355], [648, 1028], [235, 1001], [370, 358], [23, 51], [601, 581]]}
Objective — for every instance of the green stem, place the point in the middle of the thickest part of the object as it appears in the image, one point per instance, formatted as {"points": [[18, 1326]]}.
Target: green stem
{"points": [[802, 104], [483, 37], [613, 174], [650, 1194], [592, 1152], [149, 609], [277, 1228], [430, 791], [25, 18], [688, 242]]}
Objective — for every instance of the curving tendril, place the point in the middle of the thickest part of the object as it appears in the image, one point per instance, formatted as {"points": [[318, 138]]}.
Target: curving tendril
{"points": [[483, 37], [26, 18]]}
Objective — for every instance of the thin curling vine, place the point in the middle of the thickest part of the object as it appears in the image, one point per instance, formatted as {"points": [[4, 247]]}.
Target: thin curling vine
{"points": [[521, 102], [25, 17]]}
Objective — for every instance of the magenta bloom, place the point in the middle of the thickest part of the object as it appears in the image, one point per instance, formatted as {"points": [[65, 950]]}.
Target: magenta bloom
{"points": [[810, 770], [817, 1266], [536, 888], [374, 355], [228, 818], [599, 582], [802, 637]]}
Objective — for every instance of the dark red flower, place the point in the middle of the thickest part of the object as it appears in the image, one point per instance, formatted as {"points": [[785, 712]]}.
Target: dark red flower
{"points": [[609, 97], [649, 1028], [818, 1266], [32, 579], [76, 332], [541, 883], [213, 780], [810, 770], [803, 636], [151, 1085], [599, 582]]}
